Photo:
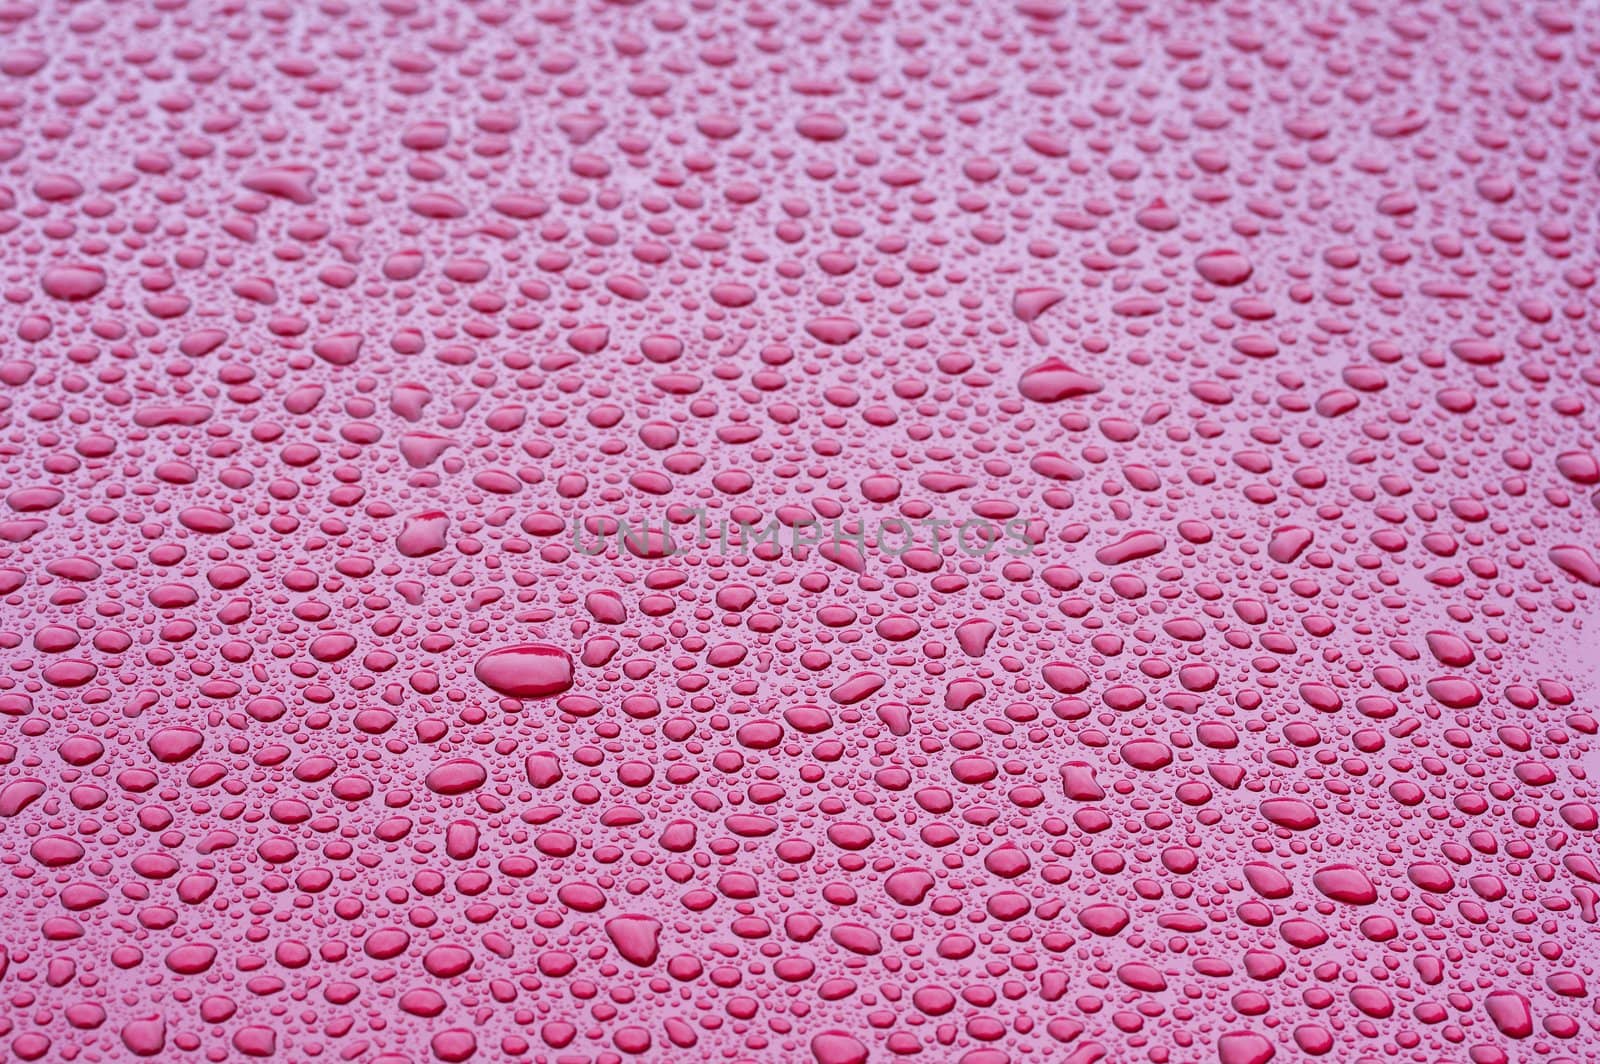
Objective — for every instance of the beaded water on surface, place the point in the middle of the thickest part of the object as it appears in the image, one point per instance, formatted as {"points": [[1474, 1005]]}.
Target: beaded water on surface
{"points": [[683, 531]]}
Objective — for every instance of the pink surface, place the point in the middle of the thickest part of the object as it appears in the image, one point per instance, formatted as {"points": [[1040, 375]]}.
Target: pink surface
{"points": [[1175, 643]]}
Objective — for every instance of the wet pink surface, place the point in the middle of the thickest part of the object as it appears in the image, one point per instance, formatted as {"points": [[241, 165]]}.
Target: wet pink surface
{"points": [[1175, 642]]}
